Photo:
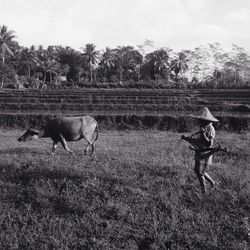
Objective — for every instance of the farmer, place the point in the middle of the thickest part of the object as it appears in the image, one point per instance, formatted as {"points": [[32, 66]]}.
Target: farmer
{"points": [[204, 139]]}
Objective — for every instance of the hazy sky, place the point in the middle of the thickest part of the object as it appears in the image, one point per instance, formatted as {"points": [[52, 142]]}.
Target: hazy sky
{"points": [[178, 24]]}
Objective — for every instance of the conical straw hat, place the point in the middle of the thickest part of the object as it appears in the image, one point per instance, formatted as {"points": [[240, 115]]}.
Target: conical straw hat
{"points": [[205, 114]]}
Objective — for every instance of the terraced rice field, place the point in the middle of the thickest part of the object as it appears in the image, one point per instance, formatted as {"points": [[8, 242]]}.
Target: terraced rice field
{"points": [[125, 103]]}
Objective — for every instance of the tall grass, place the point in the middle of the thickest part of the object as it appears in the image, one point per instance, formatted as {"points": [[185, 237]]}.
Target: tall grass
{"points": [[138, 192]]}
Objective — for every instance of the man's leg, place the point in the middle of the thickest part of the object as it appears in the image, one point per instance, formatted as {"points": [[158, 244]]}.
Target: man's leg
{"points": [[198, 172], [205, 174], [209, 179]]}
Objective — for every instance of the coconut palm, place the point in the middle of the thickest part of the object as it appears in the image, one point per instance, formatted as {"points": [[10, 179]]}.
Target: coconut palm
{"points": [[90, 58], [120, 59], [107, 60], [158, 60], [41, 59], [135, 60], [6, 38], [27, 60], [71, 62], [47, 63], [179, 64], [161, 59], [127, 58]]}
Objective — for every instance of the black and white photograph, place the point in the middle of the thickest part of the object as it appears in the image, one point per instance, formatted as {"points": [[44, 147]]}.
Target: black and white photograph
{"points": [[125, 125]]}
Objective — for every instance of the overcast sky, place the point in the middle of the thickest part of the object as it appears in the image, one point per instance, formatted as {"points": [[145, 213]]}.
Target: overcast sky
{"points": [[178, 24]]}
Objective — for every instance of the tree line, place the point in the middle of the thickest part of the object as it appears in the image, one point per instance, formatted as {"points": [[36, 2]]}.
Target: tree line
{"points": [[141, 66]]}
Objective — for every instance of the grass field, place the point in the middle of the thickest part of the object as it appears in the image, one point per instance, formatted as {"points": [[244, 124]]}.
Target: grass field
{"points": [[138, 192]]}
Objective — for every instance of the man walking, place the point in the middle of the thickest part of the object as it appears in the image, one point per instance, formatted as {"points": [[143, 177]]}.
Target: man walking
{"points": [[204, 139]]}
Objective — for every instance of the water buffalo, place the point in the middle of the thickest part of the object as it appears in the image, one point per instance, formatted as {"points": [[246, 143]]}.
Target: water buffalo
{"points": [[63, 129]]}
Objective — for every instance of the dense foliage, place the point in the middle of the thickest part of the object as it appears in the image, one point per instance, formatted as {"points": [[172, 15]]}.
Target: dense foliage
{"points": [[125, 66]]}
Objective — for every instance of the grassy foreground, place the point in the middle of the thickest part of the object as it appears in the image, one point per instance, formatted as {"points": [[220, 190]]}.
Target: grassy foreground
{"points": [[138, 192]]}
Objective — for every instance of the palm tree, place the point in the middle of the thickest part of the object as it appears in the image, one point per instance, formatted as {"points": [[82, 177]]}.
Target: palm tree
{"points": [[5, 41], [47, 62], [107, 60], [158, 60], [120, 59], [54, 66], [135, 60], [41, 57], [127, 59], [27, 60], [90, 57], [179, 65], [71, 62]]}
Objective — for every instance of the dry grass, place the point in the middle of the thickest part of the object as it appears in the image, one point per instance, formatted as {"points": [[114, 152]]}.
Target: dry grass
{"points": [[138, 192]]}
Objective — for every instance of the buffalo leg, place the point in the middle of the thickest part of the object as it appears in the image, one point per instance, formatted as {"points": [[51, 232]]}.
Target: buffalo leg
{"points": [[90, 143], [64, 143], [92, 148], [54, 147], [87, 148]]}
